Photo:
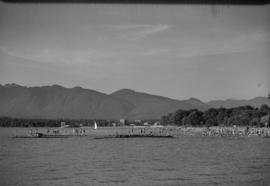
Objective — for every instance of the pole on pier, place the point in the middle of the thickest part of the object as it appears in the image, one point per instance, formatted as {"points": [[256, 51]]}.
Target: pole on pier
{"points": [[268, 92]]}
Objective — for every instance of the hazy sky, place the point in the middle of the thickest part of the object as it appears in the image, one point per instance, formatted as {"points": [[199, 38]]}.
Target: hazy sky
{"points": [[178, 51]]}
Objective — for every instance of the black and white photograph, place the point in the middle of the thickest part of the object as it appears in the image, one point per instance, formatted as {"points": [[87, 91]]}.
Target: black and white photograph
{"points": [[134, 93]]}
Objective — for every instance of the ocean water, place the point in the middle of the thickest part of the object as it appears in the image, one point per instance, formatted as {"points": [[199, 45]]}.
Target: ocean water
{"points": [[186, 160]]}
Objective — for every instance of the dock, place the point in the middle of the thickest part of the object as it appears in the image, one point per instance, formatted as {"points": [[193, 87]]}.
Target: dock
{"points": [[133, 136]]}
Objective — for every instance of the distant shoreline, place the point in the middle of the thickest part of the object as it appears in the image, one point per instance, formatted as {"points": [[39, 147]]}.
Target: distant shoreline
{"points": [[161, 131]]}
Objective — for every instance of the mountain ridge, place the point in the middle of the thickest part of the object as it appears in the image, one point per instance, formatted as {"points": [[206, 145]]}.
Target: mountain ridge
{"points": [[56, 101]]}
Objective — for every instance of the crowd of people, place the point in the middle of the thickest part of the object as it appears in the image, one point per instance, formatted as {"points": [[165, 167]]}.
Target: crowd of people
{"points": [[227, 131], [79, 131]]}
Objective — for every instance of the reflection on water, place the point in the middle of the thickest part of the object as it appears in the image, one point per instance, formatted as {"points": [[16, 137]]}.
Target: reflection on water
{"points": [[180, 161]]}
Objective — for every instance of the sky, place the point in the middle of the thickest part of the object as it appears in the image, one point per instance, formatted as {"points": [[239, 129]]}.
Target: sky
{"points": [[178, 51]]}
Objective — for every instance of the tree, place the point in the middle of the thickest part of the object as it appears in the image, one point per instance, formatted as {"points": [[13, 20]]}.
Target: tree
{"points": [[167, 119], [264, 110], [222, 116], [210, 117], [255, 122], [195, 118], [179, 115], [265, 120]]}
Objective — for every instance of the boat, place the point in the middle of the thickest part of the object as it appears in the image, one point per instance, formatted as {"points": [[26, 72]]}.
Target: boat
{"points": [[41, 135]]}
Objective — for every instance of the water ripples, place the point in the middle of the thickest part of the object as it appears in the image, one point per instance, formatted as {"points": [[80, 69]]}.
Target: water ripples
{"points": [[180, 161]]}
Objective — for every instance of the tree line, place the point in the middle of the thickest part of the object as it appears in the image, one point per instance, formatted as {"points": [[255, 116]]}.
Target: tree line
{"points": [[28, 122], [239, 116], [25, 122]]}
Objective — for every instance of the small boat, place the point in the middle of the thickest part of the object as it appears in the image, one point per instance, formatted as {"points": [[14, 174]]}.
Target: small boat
{"points": [[41, 135]]}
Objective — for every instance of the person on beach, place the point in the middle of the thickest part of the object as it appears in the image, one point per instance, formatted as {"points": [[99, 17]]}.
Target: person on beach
{"points": [[247, 130], [234, 130], [258, 132], [268, 133], [30, 132]]}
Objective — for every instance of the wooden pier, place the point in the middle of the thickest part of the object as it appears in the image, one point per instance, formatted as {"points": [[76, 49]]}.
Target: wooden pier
{"points": [[133, 136]]}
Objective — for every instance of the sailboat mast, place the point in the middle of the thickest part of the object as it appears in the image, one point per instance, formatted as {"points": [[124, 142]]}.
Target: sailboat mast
{"points": [[268, 92]]}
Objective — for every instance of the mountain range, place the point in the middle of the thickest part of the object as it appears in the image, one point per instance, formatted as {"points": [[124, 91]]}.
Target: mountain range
{"points": [[78, 103]]}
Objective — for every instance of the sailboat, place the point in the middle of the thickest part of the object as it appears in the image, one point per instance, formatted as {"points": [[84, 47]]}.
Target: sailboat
{"points": [[95, 125]]}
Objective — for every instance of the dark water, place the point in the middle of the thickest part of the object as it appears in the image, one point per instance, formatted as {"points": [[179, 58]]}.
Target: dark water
{"points": [[180, 161]]}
